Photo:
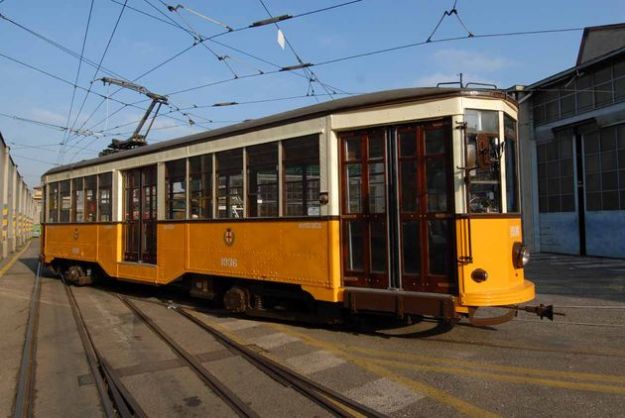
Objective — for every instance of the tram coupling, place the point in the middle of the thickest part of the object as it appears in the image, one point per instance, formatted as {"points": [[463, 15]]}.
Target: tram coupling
{"points": [[541, 310]]}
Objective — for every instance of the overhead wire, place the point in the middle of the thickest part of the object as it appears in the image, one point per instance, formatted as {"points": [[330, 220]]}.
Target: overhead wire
{"points": [[59, 46], [220, 58], [451, 12], [392, 49], [161, 64], [82, 54], [410, 45], [269, 100], [95, 74], [82, 58], [196, 34], [156, 67], [312, 77], [202, 16], [175, 24], [32, 67], [37, 160], [450, 39], [41, 123]]}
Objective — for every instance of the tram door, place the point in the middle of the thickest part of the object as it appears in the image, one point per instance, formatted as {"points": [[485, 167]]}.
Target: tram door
{"points": [[397, 221], [140, 215]]}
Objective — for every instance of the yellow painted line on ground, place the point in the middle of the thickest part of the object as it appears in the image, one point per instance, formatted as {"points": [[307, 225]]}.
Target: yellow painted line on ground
{"points": [[432, 392], [588, 387], [482, 366], [14, 259]]}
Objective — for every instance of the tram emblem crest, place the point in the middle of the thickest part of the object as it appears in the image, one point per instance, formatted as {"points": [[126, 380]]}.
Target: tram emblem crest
{"points": [[229, 237], [76, 234]]}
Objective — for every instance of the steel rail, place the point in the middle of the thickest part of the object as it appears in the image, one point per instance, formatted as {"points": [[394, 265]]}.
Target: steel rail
{"points": [[318, 393], [229, 397], [26, 379], [106, 380]]}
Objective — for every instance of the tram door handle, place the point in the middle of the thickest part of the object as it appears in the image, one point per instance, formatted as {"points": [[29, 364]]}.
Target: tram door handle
{"points": [[468, 258]]}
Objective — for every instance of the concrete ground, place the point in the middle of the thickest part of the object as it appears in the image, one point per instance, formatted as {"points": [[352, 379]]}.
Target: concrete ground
{"points": [[574, 366]]}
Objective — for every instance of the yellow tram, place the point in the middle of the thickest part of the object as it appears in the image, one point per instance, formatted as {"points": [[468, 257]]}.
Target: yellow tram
{"points": [[402, 202]]}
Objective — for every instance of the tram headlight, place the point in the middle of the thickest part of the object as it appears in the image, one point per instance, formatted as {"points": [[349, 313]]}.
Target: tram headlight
{"points": [[520, 254], [479, 275]]}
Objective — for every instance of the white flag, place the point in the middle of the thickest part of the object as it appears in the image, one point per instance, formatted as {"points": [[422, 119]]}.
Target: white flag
{"points": [[281, 39]]}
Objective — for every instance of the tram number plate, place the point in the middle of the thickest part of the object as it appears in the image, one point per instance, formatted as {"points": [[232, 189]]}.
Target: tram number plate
{"points": [[229, 262]]}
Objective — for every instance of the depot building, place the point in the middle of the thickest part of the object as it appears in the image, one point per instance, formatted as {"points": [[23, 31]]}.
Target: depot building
{"points": [[572, 130]]}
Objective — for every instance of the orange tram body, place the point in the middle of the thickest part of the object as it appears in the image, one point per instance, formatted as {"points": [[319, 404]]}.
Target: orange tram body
{"points": [[403, 202]]}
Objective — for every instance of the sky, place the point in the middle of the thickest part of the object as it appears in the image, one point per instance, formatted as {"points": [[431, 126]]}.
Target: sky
{"points": [[54, 110]]}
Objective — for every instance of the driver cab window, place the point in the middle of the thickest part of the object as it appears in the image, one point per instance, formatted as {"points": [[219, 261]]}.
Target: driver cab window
{"points": [[483, 165]]}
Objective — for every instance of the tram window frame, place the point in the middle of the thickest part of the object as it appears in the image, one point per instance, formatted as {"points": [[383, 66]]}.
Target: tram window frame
{"points": [[53, 202], [78, 200], [201, 186], [263, 194], [105, 197], [511, 160], [176, 189], [65, 201], [91, 202], [482, 136], [230, 187], [301, 159]]}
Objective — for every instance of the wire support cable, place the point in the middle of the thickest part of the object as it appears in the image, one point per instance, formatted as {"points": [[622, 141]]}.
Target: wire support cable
{"points": [[200, 39], [443, 40], [451, 12], [310, 74], [169, 21], [62, 80], [45, 124], [95, 74], [82, 54], [60, 47]]}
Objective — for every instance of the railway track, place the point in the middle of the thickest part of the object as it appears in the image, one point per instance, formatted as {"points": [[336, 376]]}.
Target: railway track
{"points": [[115, 398], [118, 401], [332, 401]]}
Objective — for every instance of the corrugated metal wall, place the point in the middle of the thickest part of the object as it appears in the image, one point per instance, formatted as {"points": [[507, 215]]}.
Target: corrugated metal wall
{"points": [[18, 209]]}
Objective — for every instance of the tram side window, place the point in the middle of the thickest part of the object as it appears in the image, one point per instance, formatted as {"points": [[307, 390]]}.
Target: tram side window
{"points": [[53, 203], [301, 176], [230, 202], [483, 163], [176, 189], [510, 153], [78, 200], [262, 180], [90, 198], [65, 202], [201, 186], [105, 182]]}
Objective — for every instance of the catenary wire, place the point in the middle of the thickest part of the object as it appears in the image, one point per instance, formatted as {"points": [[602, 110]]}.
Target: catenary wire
{"points": [[450, 39], [175, 24], [60, 46], [32, 67], [310, 73], [82, 54], [108, 44]]}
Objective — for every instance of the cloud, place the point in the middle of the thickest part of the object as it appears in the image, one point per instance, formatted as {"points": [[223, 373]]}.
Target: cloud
{"points": [[469, 61], [431, 80], [48, 116], [476, 67]]}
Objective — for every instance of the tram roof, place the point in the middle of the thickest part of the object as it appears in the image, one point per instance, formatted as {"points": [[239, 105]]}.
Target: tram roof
{"points": [[381, 98]]}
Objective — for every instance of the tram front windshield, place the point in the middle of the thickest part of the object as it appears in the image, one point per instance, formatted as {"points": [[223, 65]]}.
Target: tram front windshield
{"points": [[491, 163]]}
